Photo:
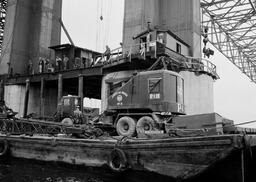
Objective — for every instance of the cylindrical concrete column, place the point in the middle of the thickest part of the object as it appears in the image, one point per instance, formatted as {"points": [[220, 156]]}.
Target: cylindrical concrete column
{"points": [[46, 30], [41, 107], [26, 98], [81, 90], [60, 87]]}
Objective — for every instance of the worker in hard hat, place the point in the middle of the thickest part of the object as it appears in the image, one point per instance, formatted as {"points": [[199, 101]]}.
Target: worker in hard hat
{"points": [[107, 52], [65, 62], [58, 63], [41, 65], [78, 115]]}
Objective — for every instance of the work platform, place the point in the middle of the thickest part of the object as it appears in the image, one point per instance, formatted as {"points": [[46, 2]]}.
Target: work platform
{"points": [[120, 61], [68, 74], [80, 71]]}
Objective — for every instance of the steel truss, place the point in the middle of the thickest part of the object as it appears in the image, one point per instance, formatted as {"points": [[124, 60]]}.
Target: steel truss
{"points": [[3, 8], [232, 30], [31, 127], [14, 126]]}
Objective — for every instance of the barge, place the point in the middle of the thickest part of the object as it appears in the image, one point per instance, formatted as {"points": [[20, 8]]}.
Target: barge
{"points": [[180, 158]]}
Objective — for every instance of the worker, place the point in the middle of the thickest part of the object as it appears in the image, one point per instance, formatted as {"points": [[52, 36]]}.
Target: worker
{"points": [[77, 61], [50, 68], [65, 62], [78, 115], [6, 110], [58, 63], [143, 50], [41, 65], [91, 62], [46, 64], [30, 67], [107, 52], [148, 41], [83, 64], [160, 38]]}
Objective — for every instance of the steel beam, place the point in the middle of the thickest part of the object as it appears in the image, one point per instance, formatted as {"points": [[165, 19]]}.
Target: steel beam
{"points": [[232, 31]]}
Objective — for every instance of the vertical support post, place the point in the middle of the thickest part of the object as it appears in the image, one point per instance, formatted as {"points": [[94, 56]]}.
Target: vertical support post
{"points": [[81, 90], [42, 98], [242, 166], [1, 90], [26, 98], [60, 87]]}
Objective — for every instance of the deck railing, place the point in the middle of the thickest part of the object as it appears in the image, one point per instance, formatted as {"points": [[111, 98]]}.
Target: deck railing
{"points": [[142, 48], [153, 48], [191, 63], [201, 64]]}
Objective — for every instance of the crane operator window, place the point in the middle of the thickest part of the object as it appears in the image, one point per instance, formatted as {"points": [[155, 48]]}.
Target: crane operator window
{"points": [[66, 102], [154, 88]]}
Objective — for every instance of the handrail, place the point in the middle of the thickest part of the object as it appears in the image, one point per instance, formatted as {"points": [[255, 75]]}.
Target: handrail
{"points": [[192, 63], [202, 63], [136, 48]]}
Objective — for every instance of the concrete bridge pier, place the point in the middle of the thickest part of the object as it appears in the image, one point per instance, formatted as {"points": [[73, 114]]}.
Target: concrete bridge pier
{"points": [[14, 97], [31, 27], [182, 17]]}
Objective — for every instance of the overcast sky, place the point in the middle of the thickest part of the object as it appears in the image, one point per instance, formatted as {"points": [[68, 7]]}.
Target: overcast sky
{"points": [[234, 93]]}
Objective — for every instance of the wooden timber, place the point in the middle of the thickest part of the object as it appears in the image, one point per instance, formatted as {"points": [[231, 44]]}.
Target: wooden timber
{"points": [[179, 158], [21, 79], [26, 98]]}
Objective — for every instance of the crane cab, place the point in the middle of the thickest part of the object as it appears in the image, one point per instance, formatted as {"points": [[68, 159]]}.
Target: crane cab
{"points": [[150, 91], [145, 101]]}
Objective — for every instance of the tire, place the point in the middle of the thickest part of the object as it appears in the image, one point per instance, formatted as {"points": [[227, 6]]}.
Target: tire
{"points": [[4, 148], [67, 121], [126, 126], [145, 123], [118, 160]]}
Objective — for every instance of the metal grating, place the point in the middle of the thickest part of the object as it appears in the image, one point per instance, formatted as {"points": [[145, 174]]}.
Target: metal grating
{"points": [[232, 30], [3, 6]]}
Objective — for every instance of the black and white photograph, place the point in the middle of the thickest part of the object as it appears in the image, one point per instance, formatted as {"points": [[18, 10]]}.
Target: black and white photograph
{"points": [[127, 90]]}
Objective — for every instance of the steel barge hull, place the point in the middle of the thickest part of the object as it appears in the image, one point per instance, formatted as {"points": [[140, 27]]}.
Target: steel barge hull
{"points": [[179, 158]]}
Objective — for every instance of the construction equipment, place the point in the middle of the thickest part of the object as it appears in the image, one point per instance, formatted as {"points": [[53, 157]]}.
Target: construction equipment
{"points": [[6, 112], [66, 32], [145, 102], [68, 120], [68, 110]]}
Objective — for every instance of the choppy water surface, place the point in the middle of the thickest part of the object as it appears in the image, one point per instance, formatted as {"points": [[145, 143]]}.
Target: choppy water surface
{"points": [[19, 170]]}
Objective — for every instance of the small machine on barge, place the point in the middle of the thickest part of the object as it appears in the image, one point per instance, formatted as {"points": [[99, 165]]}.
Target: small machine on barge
{"points": [[143, 128]]}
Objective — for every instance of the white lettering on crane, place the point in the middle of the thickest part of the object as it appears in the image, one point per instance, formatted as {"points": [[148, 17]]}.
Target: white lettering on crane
{"points": [[154, 96]]}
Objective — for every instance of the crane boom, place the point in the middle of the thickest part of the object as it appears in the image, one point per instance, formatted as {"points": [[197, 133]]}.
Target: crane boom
{"points": [[66, 32]]}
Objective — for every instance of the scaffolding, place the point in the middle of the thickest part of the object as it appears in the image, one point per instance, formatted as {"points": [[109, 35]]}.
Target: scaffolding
{"points": [[3, 7], [232, 30]]}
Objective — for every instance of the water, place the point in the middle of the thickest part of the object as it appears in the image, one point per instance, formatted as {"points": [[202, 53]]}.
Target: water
{"points": [[20, 170]]}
